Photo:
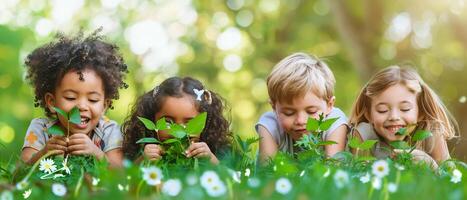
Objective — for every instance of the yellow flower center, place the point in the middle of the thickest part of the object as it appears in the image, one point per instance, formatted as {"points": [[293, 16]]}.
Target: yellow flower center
{"points": [[153, 175]]}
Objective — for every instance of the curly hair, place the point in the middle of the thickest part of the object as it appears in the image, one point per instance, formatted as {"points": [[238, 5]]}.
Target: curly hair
{"points": [[47, 65], [216, 133]]}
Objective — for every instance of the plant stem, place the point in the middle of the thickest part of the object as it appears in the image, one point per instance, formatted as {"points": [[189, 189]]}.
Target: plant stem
{"points": [[138, 189], [78, 185]]}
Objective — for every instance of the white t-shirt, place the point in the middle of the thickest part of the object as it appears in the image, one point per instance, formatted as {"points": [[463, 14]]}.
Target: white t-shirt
{"points": [[284, 141]]}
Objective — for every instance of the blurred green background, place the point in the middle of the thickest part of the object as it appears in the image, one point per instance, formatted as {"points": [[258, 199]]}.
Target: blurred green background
{"points": [[232, 46]]}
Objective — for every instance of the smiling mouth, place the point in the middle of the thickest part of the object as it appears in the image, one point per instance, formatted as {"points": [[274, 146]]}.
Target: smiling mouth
{"points": [[394, 129], [84, 120]]}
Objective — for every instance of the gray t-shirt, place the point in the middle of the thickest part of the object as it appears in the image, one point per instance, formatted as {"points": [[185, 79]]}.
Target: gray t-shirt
{"points": [[284, 141], [107, 134], [380, 150]]}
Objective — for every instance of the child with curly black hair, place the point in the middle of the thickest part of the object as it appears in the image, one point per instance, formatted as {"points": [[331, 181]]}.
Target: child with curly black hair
{"points": [[82, 72], [178, 100]]}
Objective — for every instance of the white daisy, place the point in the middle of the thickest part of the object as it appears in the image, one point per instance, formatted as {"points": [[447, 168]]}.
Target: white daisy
{"points": [[247, 172], [217, 189], [47, 165], [209, 178], [27, 193], [376, 183], [380, 168], [95, 181], [6, 195], [172, 187], [22, 185], [456, 176], [365, 178], [152, 175], [235, 175], [59, 189], [65, 166], [341, 178], [392, 187], [283, 186], [191, 179], [253, 182]]}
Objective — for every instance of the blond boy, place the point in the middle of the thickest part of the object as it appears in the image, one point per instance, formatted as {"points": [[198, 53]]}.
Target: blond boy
{"points": [[300, 86]]}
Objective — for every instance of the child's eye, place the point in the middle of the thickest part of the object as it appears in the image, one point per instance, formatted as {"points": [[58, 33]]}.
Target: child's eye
{"points": [[405, 110], [94, 100], [381, 111], [70, 98], [288, 113], [311, 112]]}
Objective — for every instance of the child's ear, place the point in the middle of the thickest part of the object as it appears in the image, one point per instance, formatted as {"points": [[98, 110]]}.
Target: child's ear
{"points": [[50, 101], [107, 103]]}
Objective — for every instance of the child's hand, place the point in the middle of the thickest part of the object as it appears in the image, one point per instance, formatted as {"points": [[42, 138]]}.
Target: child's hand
{"points": [[81, 144], [421, 156], [153, 151], [199, 150], [57, 144]]}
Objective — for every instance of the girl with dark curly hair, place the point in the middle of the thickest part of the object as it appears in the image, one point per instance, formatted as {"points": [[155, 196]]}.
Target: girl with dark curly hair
{"points": [[178, 100], [81, 72]]}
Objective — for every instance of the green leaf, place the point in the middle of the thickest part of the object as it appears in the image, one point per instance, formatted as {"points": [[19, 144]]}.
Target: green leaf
{"points": [[168, 141], [161, 124], [147, 123], [343, 155], [329, 142], [61, 112], [55, 130], [147, 140], [421, 135], [177, 131], [74, 116], [401, 131], [367, 144], [196, 125], [324, 126], [312, 124], [354, 142], [400, 145]]}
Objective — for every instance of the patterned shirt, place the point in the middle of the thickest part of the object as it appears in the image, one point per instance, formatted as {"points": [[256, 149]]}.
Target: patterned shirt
{"points": [[107, 135]]}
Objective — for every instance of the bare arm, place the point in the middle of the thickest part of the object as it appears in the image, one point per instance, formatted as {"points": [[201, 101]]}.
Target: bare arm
{"points": [[440, 151], [114, 157], [267, 146], [339, 136]]}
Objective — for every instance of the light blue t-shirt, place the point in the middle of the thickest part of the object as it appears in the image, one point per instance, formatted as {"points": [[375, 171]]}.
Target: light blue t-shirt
{"points": [[284, 141]]}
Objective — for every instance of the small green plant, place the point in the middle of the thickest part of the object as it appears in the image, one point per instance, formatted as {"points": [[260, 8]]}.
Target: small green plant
{"points": [[312, 143], [182, 135], [72, 117], [408, 146]]}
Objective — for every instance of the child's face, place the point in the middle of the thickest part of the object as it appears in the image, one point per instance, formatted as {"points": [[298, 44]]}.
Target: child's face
{"points": [[87, 95], [178, 110], [395, 108], [293, 117]]}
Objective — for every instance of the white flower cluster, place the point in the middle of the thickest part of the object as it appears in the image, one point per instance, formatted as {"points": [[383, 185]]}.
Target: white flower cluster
{"points": [[213, 184]]}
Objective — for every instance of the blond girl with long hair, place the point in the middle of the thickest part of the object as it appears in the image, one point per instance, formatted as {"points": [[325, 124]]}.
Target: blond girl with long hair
{"points": [[397, 97]]}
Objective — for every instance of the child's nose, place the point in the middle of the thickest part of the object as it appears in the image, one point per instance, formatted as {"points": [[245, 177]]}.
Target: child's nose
{"points": [[394, 115], [301, 119], [82, 105]]}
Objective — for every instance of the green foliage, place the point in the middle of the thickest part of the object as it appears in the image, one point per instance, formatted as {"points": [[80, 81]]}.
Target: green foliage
{"points": [[73, 116], [175, 147]]}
